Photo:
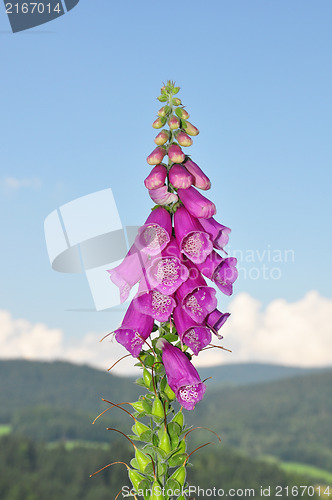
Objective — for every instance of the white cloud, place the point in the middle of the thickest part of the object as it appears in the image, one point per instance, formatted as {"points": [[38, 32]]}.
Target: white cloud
{"points": [[298, 333], [14, 184]]}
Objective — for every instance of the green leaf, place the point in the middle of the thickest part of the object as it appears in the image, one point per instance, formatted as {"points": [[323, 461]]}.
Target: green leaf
{"points": [[171, 337], [177, 459], [172, 484], [144, 486], [174, 429], [133, 463], [140, 381], [146, 436]]}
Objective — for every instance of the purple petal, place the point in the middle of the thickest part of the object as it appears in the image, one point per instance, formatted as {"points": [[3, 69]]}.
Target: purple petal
{"points": [[191, 333], [134, 330], [129, 272], [193, 241], [167, 273], [225, 274], [182, 376], [219, 233], [216, 320], [155, 304], [153, 237], [196, 204]]}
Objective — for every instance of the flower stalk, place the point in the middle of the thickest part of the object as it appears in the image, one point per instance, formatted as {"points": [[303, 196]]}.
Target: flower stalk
{"points": [[174, 313]]}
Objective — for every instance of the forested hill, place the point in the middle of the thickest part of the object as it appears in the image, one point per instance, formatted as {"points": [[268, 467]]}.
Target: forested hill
{"points": [[64, 385]]}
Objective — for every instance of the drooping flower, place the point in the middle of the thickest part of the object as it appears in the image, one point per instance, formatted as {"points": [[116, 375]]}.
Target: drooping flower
{"points": [[194, 335], [159, 122], [182, 376], [161, 196], [215, 320], [221, 271], [201, 180], [134, 330], [179, 177], [167, 273], [129, 272], [175, 154], [190, 128], [150, 301], [162, 138], [219, 233], [156, 156], [156, 233], [183, 139], [173, 123], [195, 296], [156, 177], [196, 204], [193, 241]]}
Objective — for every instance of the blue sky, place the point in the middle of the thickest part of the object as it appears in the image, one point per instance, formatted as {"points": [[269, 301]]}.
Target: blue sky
{"points": [[78, 96]]}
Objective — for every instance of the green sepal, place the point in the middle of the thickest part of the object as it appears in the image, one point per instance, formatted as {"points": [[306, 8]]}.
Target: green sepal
{"points": [[179, 419], [177, 459], [162, 98], [183, 124], [178, 112], [157, 408], [175, 90], [140, 381], [179, 475], [155, 491], [169, 393], [171, 337], [163, 383], [138, 406], [182, 446], [144, 486], [139, 428], [146, 436], [161, 469], [174, 431], [172, 485], [134, 437], [141, 459], [134, 463], [148, 360], [154, 449], [135, 477], [147, 406]]}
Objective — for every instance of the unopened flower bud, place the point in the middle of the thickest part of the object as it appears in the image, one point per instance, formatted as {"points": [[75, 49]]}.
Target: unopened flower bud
{"points": [[182, 113], [190, 128], [174, 123], [175, 154], [162, 98], [142, 459], [156, 156], [176, 90], [159, 122], [183, 139], [178, 418], [164, 111], [176, 101], [179, 177], [200, 179], [162, 138], [156, 177], [161, 196]]}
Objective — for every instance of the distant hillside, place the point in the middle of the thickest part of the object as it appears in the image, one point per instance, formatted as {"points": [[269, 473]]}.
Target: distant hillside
{"points": [[250, 373], [289, 418]]}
